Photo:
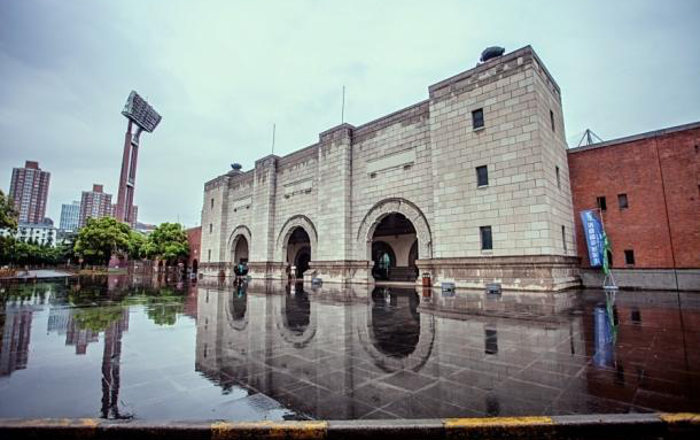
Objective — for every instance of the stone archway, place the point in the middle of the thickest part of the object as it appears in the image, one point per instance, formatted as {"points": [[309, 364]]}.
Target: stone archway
{"points": [[379, 212], [239, 243], [297, 221]]}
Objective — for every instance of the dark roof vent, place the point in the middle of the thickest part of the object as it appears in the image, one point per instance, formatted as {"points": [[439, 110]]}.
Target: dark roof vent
{"points": [[235, 169], [492, 52]]}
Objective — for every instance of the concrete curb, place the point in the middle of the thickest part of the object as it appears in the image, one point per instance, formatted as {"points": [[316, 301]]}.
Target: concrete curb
{"points": [[609, 426]]}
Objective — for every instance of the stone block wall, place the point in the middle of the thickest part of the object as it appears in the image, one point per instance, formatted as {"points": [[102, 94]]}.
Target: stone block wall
{"points": [[420, 162]]}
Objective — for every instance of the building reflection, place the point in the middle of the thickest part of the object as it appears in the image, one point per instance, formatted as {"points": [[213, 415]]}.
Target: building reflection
{"points": [[16, 336], [343, 359]]}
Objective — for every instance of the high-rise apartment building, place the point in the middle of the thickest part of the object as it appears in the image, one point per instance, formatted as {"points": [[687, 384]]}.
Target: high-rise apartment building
{"points": [[29, 188], [70, 216], [95, 204]]}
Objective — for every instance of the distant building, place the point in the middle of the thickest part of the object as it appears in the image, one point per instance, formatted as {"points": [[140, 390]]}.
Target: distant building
{"points": [[95, 204], [646, 188], [70, 216], [43, 234], [29, 188], [144, 228]]}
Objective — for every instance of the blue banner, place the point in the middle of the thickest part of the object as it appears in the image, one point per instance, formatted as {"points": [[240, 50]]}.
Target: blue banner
{"points": [[595, 237]]}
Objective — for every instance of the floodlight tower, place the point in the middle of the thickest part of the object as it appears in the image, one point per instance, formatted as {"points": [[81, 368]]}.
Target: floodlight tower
{"points": [[145, 118]]}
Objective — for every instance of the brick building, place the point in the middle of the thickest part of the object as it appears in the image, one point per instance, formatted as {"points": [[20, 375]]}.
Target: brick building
{"points": [[194, 240], [95, 204], [471, 185], [647, 187], [29, 189]]}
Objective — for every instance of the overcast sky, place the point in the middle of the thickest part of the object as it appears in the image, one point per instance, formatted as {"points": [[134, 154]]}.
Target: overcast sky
{"points": [[222, 72]]}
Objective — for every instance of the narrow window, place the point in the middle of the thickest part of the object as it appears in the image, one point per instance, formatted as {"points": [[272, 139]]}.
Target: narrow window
{"points": [[551, 119], [556, 170], [601, 203], [622, 201], [482, 176], [212, 203], [209, 255], [478, 119], [610, 259], [486, 241], [636, 315], [629, 256], [563, 237], [211, 228]]}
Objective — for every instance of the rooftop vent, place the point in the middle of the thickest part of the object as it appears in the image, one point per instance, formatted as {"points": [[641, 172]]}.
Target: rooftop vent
{"points": [[235, 169], [492, 52]]}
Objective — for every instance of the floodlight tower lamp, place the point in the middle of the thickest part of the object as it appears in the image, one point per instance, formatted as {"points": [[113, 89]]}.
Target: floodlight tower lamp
{"points": [[139, 113]]}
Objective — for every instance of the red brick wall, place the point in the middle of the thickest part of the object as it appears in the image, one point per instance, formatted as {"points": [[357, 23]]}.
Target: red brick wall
{"points": [[194, 239], [638, 168]]}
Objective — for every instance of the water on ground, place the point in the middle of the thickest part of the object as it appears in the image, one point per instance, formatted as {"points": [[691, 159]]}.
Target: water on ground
{"points": [[127, 348]]}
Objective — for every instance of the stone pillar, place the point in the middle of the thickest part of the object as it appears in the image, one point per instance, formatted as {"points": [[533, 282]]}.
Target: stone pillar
{"points": [[262, 264], [333, 258]]}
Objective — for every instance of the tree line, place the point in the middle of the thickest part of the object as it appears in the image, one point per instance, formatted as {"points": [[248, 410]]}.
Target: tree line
{"points": [[94, 244]]}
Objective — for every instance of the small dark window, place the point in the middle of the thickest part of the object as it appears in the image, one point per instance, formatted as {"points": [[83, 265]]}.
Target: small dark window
{"points": [[629, 256], [622, 201], [486, 240], [556, 170], [551, 119], [610, 259], [212, 203], [482, 176], [211, 228], [636, 315], [209, 255], [601, 203], [563, 237], [478, 118]]}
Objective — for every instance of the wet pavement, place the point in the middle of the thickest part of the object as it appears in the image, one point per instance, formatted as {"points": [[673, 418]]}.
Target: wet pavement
{"points": [[121, 349]]}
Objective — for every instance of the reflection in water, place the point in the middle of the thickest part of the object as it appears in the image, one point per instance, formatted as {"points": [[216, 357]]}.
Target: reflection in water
{"points": [[266, 352], [605, 324], [297, 309], [395, 321], [239, 307]]}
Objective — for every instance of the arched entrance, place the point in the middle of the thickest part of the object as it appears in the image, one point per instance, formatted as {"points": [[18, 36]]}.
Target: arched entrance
{"points": [[299, 250], [238, 244], [403, 227], [240, 250], [392, 243]]}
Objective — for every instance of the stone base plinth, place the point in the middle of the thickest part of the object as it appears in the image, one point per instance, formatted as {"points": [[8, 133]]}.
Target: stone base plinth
{"points": [[523, 272], [341, 271], [267, 270]]}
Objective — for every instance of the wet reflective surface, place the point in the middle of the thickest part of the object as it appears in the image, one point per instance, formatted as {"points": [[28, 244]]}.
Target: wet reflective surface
{"points": [[120, 349]]}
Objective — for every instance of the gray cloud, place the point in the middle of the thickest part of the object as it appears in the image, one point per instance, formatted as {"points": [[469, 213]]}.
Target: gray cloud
{"points": [[222, 72]]}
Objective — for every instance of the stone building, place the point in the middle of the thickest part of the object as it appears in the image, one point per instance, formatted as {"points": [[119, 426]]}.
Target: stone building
{"points": [[470, 185], [647, 188]]}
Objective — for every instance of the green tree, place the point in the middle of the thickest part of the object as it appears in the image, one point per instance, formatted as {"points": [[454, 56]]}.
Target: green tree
{"points": [[167, 242], [101, 238], [137, 242], [8, 213]]}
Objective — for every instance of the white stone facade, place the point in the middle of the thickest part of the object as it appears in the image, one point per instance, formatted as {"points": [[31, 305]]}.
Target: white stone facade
{"points": [[420, 162]]}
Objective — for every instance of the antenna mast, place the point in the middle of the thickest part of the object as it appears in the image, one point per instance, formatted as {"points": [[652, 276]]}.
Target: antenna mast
{"points": [[588, 138], [342, 108], [274, 128]]}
